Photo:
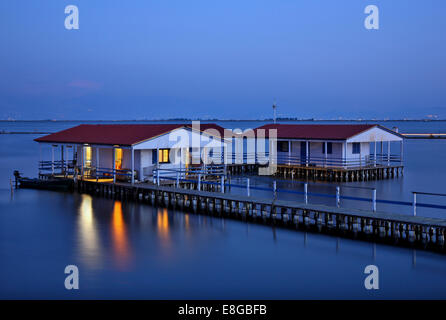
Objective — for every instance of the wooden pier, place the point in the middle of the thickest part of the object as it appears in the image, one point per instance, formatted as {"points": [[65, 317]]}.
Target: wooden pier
{"points": [[395, 229], [340, 174], [325, 174]]}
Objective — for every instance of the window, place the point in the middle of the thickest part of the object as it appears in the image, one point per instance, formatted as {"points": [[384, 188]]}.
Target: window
{"points": [[356, 148], [154, 157], [329, 147], [282, 146], [118, 158], [163, 155]]}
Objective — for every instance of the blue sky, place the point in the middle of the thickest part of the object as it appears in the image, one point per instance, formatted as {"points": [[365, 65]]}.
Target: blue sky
{"points": [[222, 59]]}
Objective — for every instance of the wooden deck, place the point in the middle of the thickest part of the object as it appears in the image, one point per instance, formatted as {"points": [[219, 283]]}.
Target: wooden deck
{"points": [[392, 228]]}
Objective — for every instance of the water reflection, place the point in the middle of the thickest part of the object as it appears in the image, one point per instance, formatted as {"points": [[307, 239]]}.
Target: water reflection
{"points": [[88, 233], [119, 236], [162, 223], [186, 222]]}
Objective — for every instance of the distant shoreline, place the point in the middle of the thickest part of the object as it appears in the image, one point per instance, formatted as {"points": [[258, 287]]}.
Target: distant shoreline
{"points": [[242, 120], [427, 136], [23, 132]]}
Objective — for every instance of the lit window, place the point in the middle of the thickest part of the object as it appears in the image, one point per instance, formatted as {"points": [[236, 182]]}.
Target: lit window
{"points": [[356, 148], [163, 155], [118, 159]]}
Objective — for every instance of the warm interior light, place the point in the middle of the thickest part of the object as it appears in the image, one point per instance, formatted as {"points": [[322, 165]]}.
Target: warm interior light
{"points": [[118, 158], [163, 155], [88, 152]]}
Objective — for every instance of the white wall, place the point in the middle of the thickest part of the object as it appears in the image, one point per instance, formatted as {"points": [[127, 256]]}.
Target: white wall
{"points": [[363, 155], [315, 151], [375, 134], [179, 138], [145, 163], [105, 158]]}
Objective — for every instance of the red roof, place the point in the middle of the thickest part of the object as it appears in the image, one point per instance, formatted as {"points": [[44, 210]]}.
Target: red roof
{"points": [[317, 131], [116, 134]]}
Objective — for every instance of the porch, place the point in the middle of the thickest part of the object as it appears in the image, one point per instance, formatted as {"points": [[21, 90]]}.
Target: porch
{"points": [[102, 163], [339, 155]]}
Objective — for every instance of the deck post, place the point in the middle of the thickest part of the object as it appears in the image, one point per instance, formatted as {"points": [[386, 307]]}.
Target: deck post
{"points": [[52, 159], [67, 162], [178, 179], [247, 187], [275, 189], [401, 152], [97, 163], [157, 176], [338, 196], [306, 193], [114, 165], [326, 152], [374, 155], [374, 200], [40, 158], [388, 153], [82, 162], [133, 164], [382, 151], [306, 153], [222, 184], [414, 204], [62, 162], [199, 182], [345, 155], [75, 162], [289, 152], [360, 155]]}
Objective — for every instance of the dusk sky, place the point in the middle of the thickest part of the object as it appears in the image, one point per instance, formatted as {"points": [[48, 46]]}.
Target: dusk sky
{"points": [[146, 59]]}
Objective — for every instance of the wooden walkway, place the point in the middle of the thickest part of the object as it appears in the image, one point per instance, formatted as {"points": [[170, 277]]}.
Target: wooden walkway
{"points": [[392, 228]]}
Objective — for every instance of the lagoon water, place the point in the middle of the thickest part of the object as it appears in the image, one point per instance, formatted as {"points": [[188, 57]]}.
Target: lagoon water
{"points": [[128, 250]]}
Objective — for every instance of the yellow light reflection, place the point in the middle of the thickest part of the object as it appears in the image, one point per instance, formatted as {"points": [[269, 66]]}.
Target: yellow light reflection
{"points": [[186, 222], [119, 235], [88, 233], [163, 226]]}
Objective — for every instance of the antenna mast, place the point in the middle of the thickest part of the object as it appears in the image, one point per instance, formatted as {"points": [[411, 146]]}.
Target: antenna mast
{"points": [[274, 111]]}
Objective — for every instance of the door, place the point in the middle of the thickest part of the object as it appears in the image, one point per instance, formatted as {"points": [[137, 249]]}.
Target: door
{"points": [[303, 153]]}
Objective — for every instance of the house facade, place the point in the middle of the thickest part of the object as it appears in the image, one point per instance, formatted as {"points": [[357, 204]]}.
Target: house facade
{"points": [[336, 146], [131, 152]]}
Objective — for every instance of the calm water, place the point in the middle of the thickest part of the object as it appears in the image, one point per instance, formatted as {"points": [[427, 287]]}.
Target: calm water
{"points": [[126, 250]]}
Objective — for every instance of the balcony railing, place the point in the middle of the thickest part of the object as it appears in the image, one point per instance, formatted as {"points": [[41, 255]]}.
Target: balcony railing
{"points": [[339, 162]]}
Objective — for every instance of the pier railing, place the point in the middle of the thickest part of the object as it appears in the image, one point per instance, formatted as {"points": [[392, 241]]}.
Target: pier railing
{"points": [[61, 166], [317, 161], [339, 162], [106, 173], [199, 173]]}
